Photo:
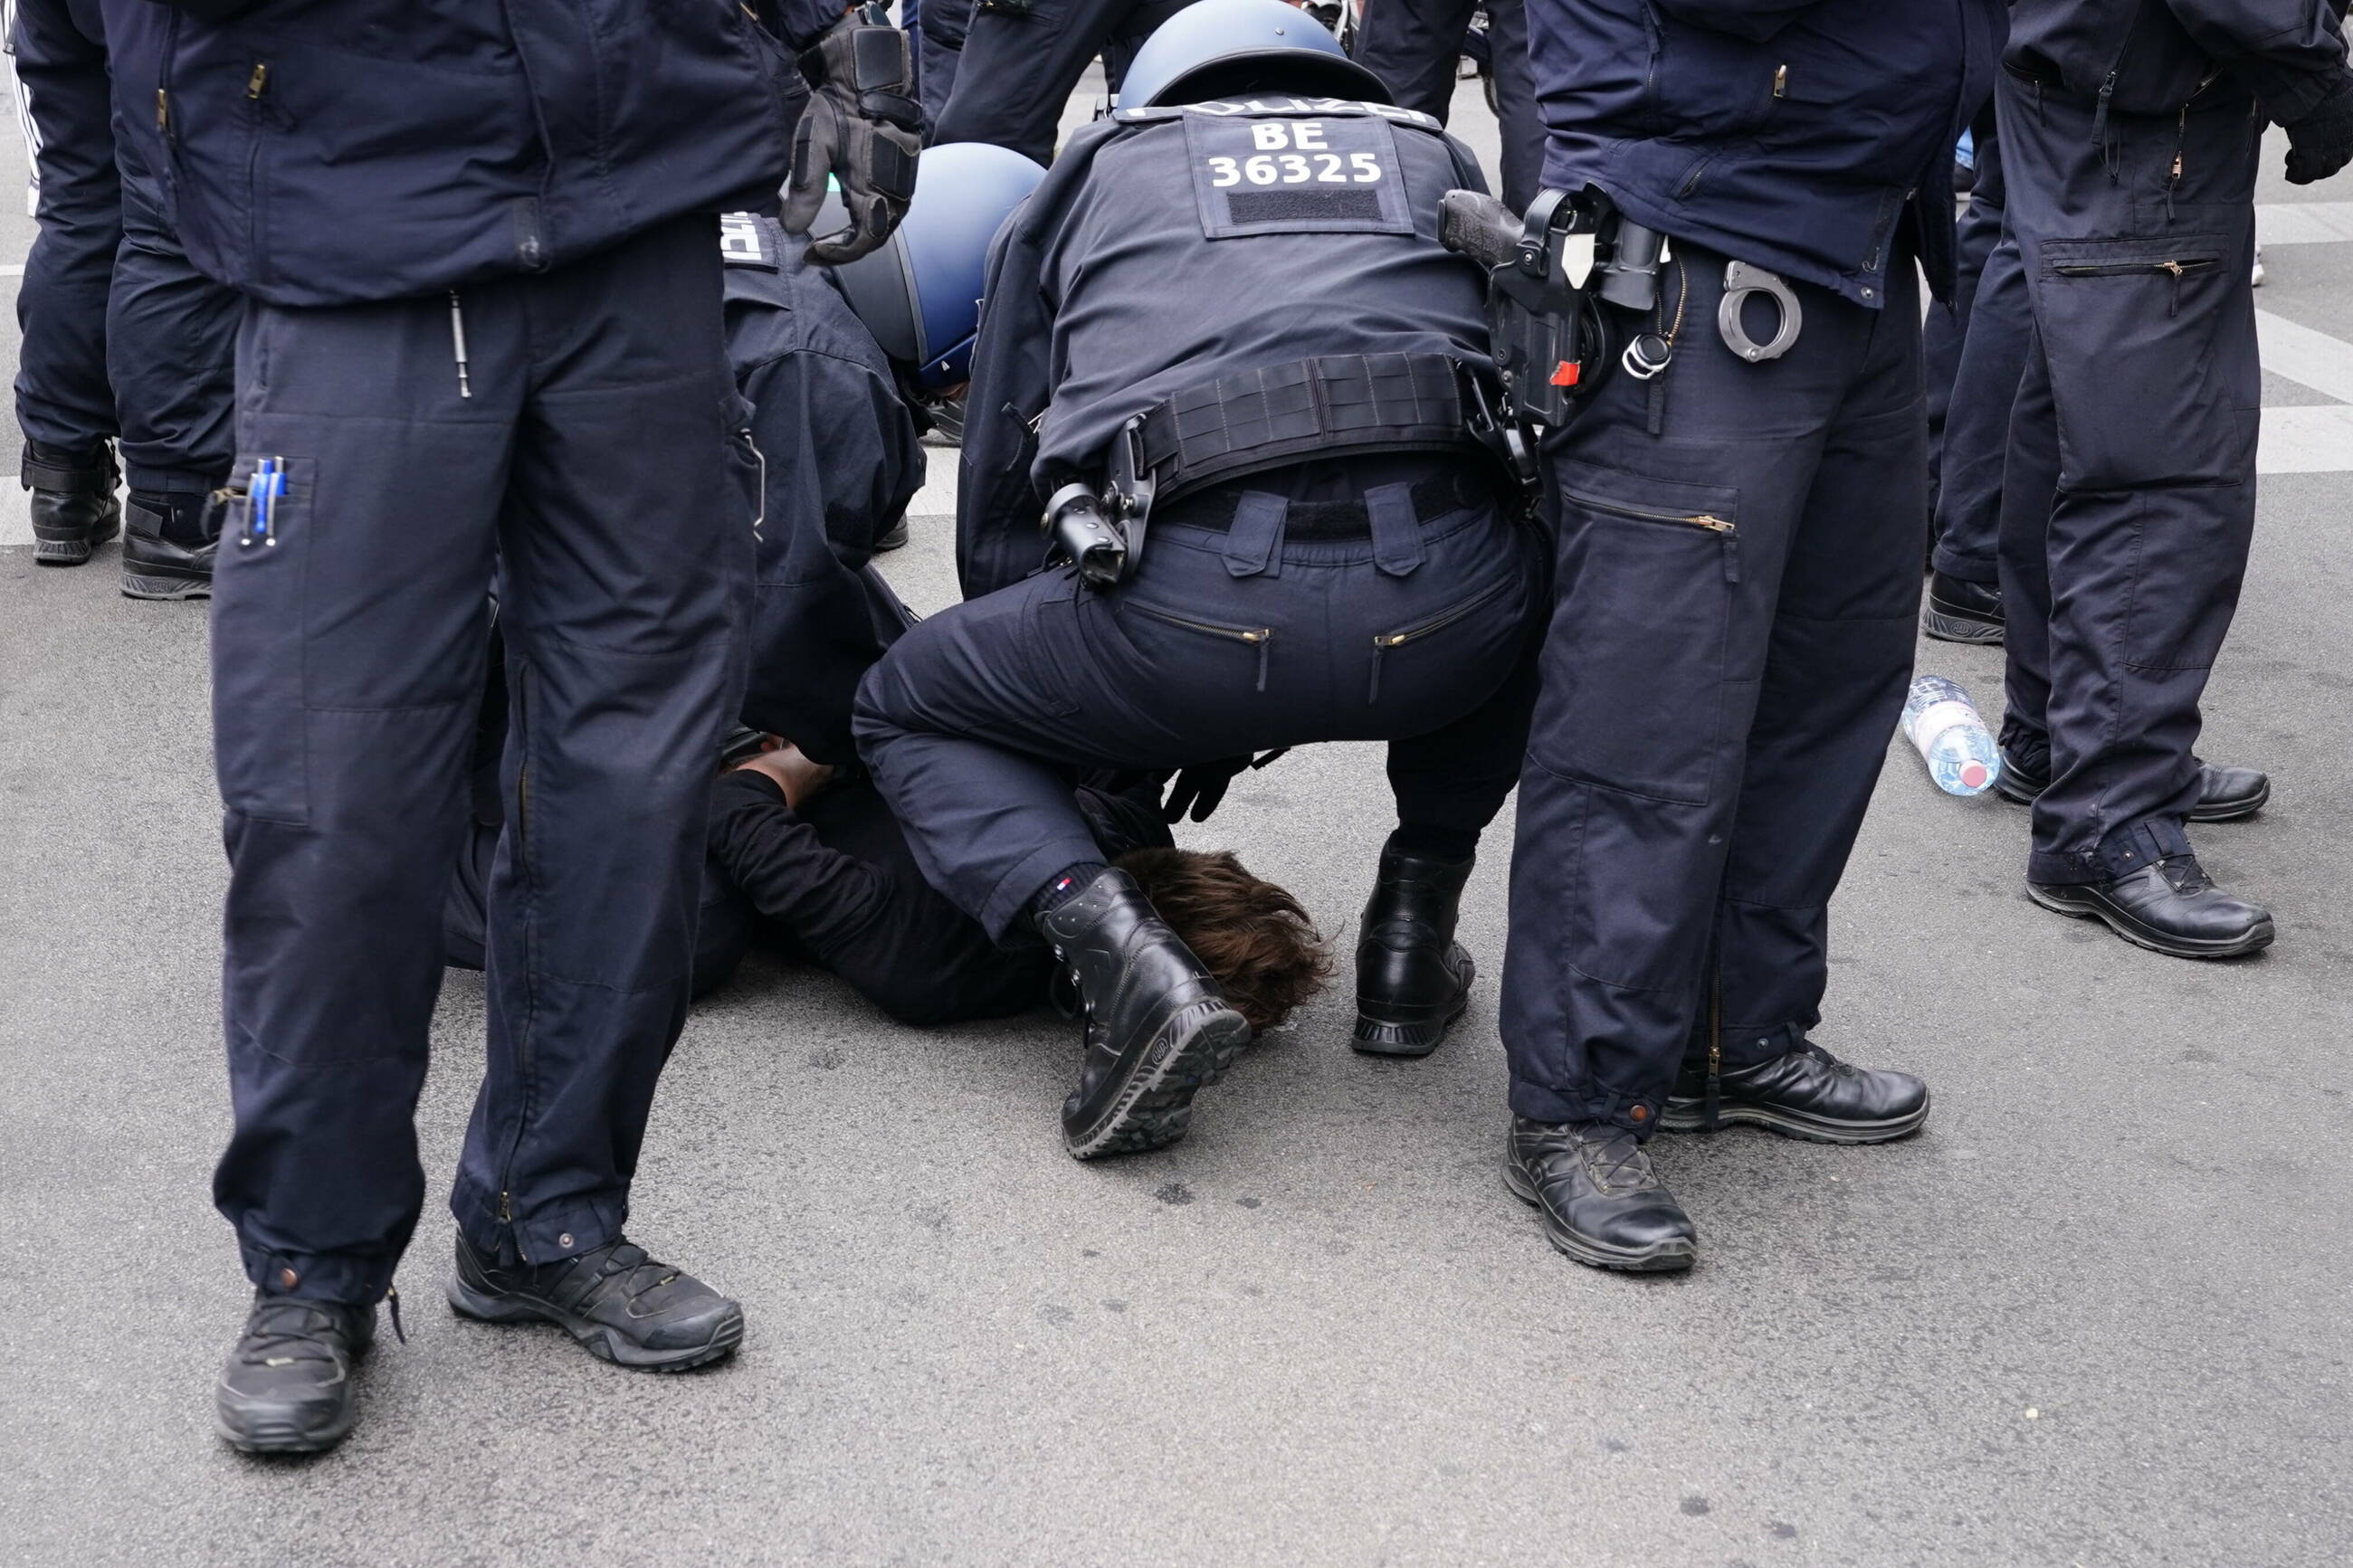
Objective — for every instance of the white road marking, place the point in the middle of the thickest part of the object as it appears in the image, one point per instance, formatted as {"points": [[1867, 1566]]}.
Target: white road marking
{"points": [[2303, 223], [2309, 358], [2316, 440]]}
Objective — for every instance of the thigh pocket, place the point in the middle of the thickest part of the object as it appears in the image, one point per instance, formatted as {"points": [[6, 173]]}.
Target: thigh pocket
{"points": [[1636, 647], [259, 742], [2128, 327]]}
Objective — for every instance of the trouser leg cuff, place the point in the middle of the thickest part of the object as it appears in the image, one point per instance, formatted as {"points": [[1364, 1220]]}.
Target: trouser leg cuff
{"points": [[358, 1278], [1590, 1101]]}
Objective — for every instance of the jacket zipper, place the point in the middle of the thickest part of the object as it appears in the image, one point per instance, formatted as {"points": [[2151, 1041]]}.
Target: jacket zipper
{"points": [[1722, 528], [1259, 637], [1382, 644]]}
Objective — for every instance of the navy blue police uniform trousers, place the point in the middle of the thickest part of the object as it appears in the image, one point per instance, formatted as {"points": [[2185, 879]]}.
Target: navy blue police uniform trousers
{"points": [[1977, 355], [122, 337], [1732, 635], [1414, 44], [1404, 618], [1016, 73], [2129, 501], [583, 449]]}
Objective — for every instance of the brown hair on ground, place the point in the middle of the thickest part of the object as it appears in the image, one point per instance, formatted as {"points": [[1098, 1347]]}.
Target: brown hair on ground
{"points": [[1249, 933]]}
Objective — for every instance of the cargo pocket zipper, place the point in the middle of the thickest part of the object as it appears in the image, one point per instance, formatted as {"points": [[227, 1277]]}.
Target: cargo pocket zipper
{"points": [[1257, 637], [2177, 268], [1722, 528], [1387, 640]]}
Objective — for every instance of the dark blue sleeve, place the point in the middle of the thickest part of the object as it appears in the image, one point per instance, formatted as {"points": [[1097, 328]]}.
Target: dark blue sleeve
{"points": [[2289, 53], [997, 507], [799, 22]]}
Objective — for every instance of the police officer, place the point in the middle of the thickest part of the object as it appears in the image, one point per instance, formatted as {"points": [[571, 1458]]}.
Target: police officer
{"points": [[1413, 44], [122, 338], [1983, 354], [2130, 136], [1232, 297], [1021, 59], [482, 321], [1739, 571]]}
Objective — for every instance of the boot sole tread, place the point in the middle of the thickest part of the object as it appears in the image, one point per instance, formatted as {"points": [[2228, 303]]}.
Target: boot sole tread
{"points": [[1960, 628], [1195, 1046], [1691, 1116]]}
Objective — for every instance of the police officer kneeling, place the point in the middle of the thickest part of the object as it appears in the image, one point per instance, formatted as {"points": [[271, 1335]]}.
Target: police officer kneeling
{"points": [[1234, 300]]}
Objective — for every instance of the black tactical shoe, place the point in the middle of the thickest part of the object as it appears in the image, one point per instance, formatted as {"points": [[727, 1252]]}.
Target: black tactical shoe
{"points": [[1961, 611], [2224, 794], [625, 1307], [891, 538], [154, 564], [1804, 1092], [74, 510], [1158, 1026], [1602, 1202], [2170, 907], [287, 1387], [1413, 979]]}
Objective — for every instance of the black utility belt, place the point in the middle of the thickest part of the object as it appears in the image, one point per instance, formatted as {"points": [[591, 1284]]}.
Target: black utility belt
{"points": [[1455, 488]]}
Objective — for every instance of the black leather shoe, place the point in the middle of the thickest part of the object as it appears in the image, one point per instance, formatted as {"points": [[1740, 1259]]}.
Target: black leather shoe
{"points": [[2224, 794], [1413, 979], [1602, 1202], [1961, 611], [155, 566], [625, 1307], [73, 505], [891, 538], [1804, 1092], [287, 1386], [2170, 907], [1158, 1026]]}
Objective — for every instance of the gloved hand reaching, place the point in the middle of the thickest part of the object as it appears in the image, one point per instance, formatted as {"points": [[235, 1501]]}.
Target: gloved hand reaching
{"points": [[863, 126], [1200, 788], [2320, 141]]}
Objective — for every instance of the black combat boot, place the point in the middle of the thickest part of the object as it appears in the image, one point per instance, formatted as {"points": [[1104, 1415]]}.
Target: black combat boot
{"points": [[1158, 1026], [2169, 907], [2224, 794], [1413, 979], [1602, 1202], [1961, 611], [625, 1307], [73, 509], [287, 1386], [1804, 1092], [168, 545]]}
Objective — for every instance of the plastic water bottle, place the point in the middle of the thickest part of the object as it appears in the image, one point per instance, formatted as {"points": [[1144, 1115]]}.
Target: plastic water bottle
{"points": [[1943, 723]]}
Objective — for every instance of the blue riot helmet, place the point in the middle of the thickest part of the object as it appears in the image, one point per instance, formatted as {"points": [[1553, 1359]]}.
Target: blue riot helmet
{"points": [[1239, 48], [920, 293]]}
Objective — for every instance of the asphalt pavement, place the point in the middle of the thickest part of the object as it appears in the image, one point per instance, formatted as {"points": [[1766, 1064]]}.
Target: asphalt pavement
{"points": [[2095, 1314]]}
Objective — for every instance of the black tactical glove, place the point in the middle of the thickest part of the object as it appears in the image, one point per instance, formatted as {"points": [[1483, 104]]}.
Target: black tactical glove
{"points": [[2320, 142], [1202, 786], [863, 126]]}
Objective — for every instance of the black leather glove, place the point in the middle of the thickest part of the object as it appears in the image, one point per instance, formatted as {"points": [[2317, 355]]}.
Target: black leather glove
{"points": [[2320, 142], [1202, 786], [863, 126]]}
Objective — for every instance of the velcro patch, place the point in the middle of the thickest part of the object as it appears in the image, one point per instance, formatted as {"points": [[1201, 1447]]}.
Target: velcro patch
{"points": [[1284, 174], [744, 241]]}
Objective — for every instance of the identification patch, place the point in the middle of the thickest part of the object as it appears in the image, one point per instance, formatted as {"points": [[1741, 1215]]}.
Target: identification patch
{"points": [[1296, 174], [743, 241]]}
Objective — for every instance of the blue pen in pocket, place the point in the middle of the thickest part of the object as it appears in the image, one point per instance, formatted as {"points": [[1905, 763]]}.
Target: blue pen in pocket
{"points": [[256, 503], [277, 493]]}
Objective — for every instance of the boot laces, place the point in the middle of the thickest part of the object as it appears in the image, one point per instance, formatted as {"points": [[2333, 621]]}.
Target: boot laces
{"points": [[1616, 1159], [2183, 874], [1821, 1055], [286, 1329], [627, 1264]]}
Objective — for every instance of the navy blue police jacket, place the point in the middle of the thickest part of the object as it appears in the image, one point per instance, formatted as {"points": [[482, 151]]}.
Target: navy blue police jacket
{"points": [[1793, 134], [1167, 249], [2151, 56], [334, 151], [840, 458]]}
